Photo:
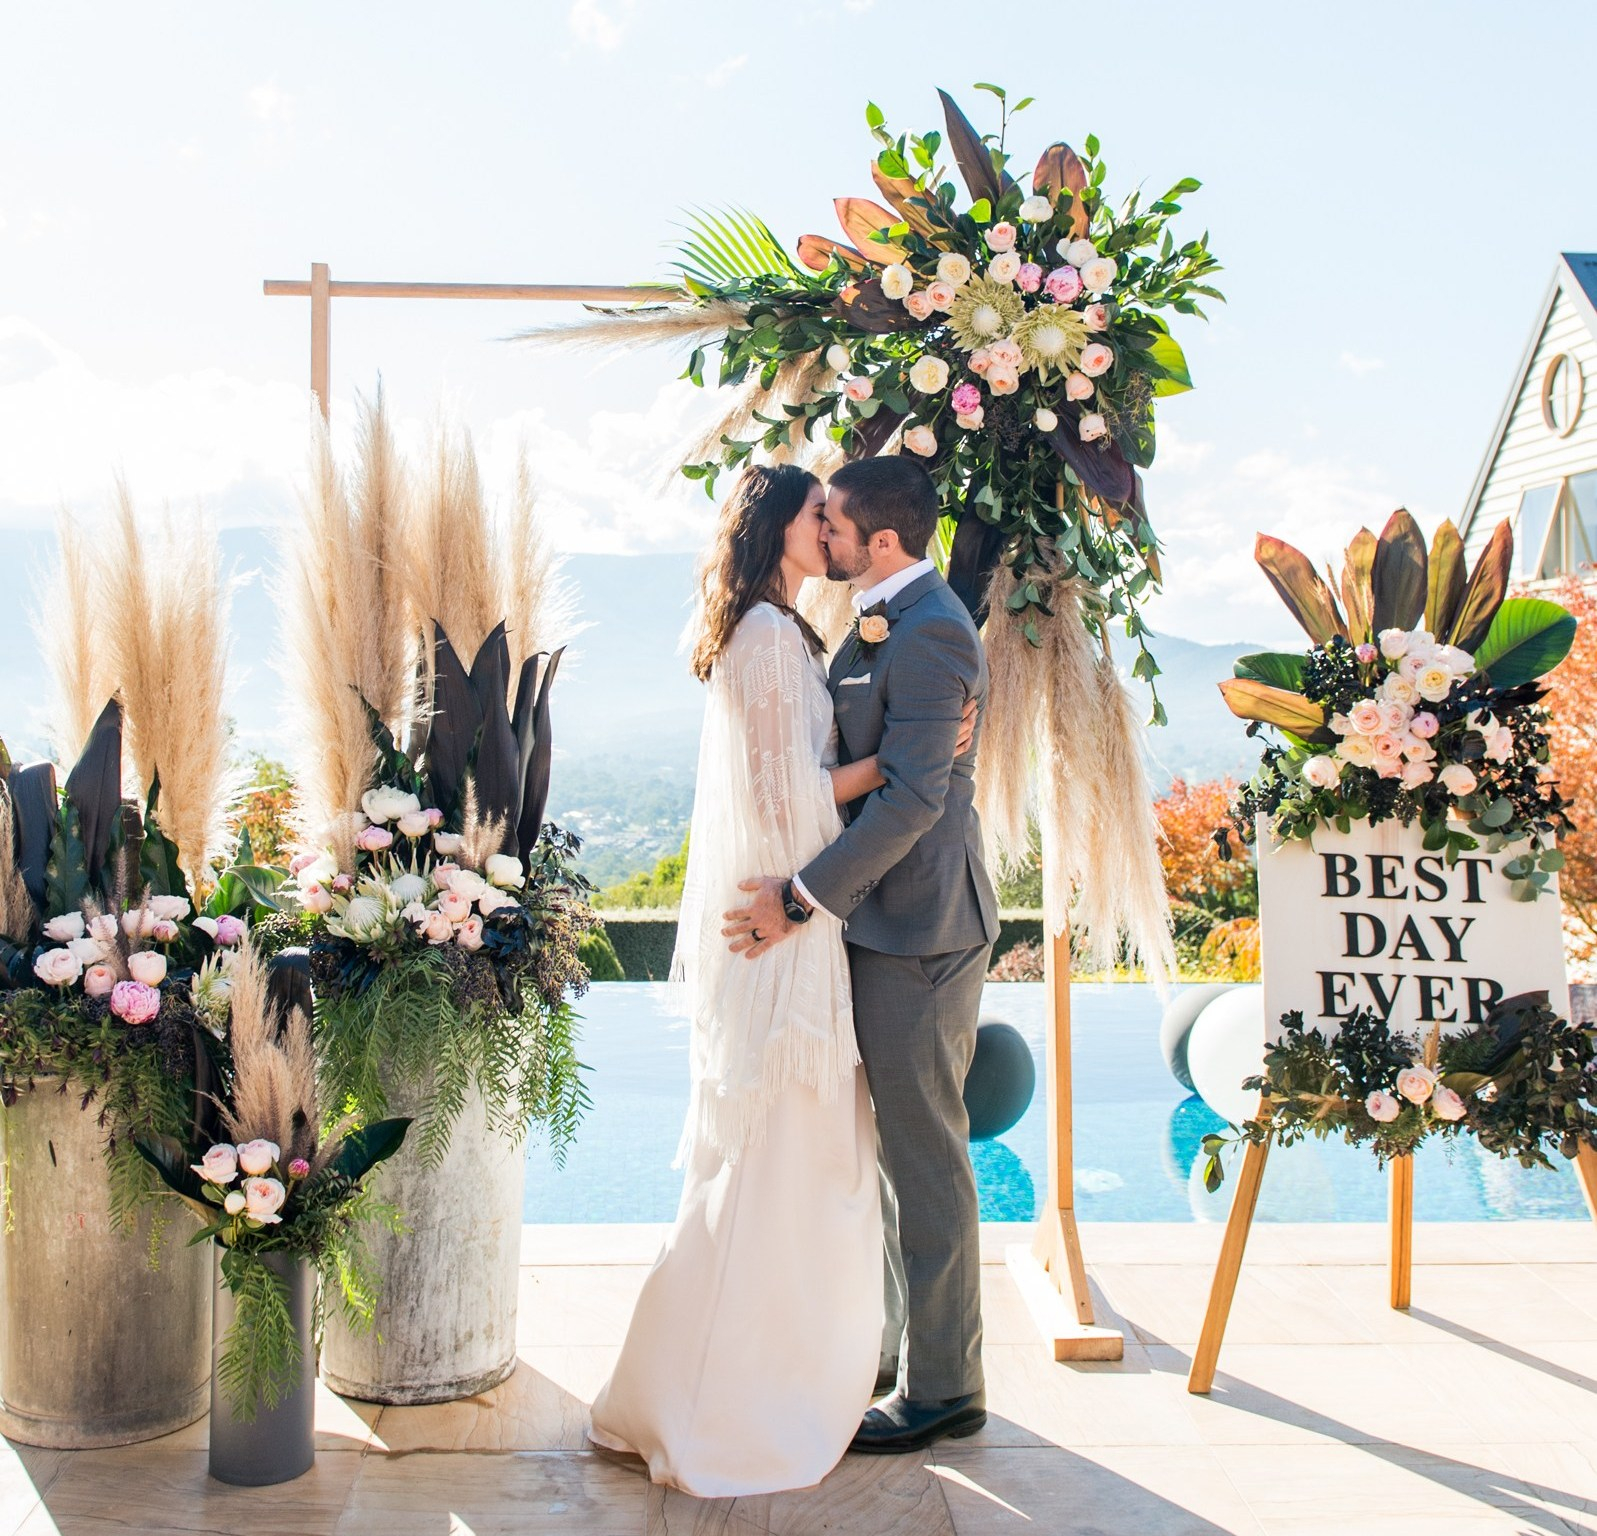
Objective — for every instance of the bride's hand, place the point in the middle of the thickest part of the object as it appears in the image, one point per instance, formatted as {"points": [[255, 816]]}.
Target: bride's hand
{"points": [[967, 729]]}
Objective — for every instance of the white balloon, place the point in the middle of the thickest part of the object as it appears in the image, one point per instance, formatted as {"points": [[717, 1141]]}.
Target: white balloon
{"points": [[1225, 1045]]}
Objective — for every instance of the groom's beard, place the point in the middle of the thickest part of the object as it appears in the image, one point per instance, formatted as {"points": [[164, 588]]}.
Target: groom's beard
{"points": [[837, 571]]}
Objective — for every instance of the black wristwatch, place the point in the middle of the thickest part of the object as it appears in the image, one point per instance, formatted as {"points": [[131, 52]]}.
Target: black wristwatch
{"points": [[796, 911]]}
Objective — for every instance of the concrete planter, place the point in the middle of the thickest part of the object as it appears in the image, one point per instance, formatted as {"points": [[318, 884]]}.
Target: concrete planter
{"points": [[279, 1443], [446, 1312], [96, 1348]]}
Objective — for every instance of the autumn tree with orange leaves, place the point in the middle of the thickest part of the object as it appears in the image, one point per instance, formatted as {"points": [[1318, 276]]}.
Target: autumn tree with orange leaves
{"points": [[1573, 740]]}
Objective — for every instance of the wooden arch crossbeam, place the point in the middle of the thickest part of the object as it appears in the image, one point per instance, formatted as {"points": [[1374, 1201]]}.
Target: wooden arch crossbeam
{"points": [[1051, 1273]]}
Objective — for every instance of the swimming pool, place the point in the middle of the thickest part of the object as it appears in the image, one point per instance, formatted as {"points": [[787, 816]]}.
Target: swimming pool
{"points": [[1137, 1132]]}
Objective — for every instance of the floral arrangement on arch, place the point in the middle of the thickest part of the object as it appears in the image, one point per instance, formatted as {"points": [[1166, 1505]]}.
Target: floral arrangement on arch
{"points": [[443, 915], [117, 940], [280, 1182], [1523, 1083], [1420, 700]]}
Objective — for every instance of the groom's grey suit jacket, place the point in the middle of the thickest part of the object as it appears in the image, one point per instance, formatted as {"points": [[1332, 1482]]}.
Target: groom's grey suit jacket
{"points": [[908, 874]]}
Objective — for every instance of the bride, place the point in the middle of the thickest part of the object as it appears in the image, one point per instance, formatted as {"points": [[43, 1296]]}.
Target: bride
{"points": [[752, 1353]]}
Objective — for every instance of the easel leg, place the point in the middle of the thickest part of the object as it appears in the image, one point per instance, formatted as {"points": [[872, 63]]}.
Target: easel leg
{"points": [[1207, 1355], [1402, 1220], [1586, 1172]]}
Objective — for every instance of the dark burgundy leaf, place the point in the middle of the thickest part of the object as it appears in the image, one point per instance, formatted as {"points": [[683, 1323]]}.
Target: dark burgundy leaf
{"points": [[974, 159], [490, 668], [95, 789], [535, 794], [33, 803], [867, 308], [971, 562], [1100, 466], [870, 435], [453, 728]]}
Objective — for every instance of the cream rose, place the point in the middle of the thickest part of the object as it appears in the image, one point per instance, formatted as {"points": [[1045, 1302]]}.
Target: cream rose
{"points": [[1097, 359], [1321, 771], [1434, 683], [837, 357], [929, 375], [387, 803], [493, 899], [317, 900], [1457, 779], [1394, 643], [898, 282], [1382, 1107], [954, 269], [63, 929], [258, 1156], [103, 928], [1097, 275], [921, 440], [454, 906], [503, 870], [1044, 420], [414, 824], [234, 1202], [1004, 268], [58, 967], [1093, 427], [971, 420], [1003, 379], [1366, 717], [1079, 387], [1077, 251], [170, 909], [873, 628], [1415, 1083], [468, 883], [439, 929], [218, 1165], [469, 934], [941, 295], [1357, 750], [148, 967], [1417, 772], [1395, 716], [1037, 209], [1500, 744], [446, 843]]}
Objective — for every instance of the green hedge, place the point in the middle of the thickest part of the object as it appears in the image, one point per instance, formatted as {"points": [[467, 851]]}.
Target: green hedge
{"points": [[642, 942]]}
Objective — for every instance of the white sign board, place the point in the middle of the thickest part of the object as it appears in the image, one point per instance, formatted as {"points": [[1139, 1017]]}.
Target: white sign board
{"points": [[1369, 919]]}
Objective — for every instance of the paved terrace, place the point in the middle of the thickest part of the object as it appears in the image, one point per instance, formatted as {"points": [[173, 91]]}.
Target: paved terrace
{"points": [[1475, 1413]]}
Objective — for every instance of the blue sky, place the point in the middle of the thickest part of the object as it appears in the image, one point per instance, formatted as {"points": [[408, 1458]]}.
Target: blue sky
{"points": [[1387, 186]]}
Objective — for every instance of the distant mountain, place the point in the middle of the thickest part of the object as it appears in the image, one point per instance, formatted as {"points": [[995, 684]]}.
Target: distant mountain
{"points": [[626, 710]]}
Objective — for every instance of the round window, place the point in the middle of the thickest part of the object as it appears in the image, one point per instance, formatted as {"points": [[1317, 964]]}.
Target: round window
{"points": [[1563, 390]]}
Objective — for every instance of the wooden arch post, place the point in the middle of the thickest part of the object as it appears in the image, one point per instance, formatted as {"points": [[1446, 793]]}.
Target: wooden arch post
{"points": [[1051, 1274]]}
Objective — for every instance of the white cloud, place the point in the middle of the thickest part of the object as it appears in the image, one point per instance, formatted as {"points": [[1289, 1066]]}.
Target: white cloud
{"points": [[1356, 364], [601, 26], [269, 103], [1207, 515], [724, 71]]}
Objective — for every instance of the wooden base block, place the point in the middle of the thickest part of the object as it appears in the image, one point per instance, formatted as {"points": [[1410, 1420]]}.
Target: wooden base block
{"points": [[1055, 1315]]}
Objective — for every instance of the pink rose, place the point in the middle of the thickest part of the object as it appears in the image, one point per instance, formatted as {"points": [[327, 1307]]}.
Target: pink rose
{"points": [[1007, 353], [941, 295], [1366, 652], [1321, 771], [1092, 428], [1382, 1107], [1415, 1083], [342, 885], [165, 931], [1096, 317], [1388, 767], [1366, 717], [1424, 725], [980, 360], [444, 871], [316, 900], [439, 929], [1387, 745], [103, 928], [454, 906], [1445, 1104], [435, 817], [1500, 744], [1002, 379], [98, 980], [1001, 237], [1096, 359], [965, 399], [1416, 773], [1029, 278], [919, 304], [469, 935], [301, 861], [135, 1003], [230, 930], [1079, 387], [374, 838], [858, 388], [1062, 284]]}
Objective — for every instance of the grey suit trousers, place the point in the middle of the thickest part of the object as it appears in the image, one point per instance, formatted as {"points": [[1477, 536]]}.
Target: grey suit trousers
{"points": [[915, 1019]]}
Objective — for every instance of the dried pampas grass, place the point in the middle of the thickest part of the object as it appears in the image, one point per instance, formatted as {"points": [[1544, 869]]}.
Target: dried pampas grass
{"points": [[451, 566], [1004, 765], [537, 602], [70, 625], [825, 604], [274, 1066], [348, 628], [603, 328], [16, 906], [166, 622]]}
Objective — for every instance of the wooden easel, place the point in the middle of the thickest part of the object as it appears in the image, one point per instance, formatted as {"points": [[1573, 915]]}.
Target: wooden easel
{"points": [[1400, 1213], [1055, 1257]]}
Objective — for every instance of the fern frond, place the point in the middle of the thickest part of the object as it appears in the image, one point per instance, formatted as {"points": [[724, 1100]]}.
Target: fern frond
{"points": [[731, 244]]}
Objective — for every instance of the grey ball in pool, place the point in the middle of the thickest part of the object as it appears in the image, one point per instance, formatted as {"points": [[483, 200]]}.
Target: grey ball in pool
{"points": [[1177, 1024], [1001, 1080]]}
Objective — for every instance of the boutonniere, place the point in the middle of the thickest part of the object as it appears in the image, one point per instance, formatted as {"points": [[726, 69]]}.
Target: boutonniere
{"points": [[867, 632]]}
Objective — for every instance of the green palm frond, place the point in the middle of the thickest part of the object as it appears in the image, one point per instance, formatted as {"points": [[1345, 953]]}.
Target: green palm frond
{"points": [[729, 245]]}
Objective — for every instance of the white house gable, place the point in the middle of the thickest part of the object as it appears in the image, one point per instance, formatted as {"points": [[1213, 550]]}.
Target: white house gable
{"points": [[1541, 470]]}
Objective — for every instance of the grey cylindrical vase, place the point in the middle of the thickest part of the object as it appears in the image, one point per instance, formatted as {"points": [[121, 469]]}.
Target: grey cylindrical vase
{"points": [[96, 1348], [278, 1443], [446, 1289]]}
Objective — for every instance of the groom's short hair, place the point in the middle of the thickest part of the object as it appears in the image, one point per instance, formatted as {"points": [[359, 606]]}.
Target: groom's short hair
{"points": [[890, 492]]}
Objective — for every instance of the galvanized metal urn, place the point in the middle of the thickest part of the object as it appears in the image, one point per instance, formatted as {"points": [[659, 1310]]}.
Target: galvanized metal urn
{"points": [[96, 1347], [447, 1288], [278, 1443]]}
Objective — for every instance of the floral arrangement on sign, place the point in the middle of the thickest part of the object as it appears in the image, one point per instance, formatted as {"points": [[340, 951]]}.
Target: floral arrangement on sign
{"points": [[442, 914], [1014, 341], [276, 1184], [1524, 1083], [116, 939], [1419, 700]]}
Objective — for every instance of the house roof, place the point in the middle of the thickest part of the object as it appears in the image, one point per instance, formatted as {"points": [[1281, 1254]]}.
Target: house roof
{"points": [[1575, 275]]}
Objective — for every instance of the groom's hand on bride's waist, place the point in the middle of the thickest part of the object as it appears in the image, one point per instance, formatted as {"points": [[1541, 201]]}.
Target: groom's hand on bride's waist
{"points": [[760, 926]]}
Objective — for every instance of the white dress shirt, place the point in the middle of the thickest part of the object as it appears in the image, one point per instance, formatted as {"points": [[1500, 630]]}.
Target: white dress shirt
{"points": [[884, 591]]}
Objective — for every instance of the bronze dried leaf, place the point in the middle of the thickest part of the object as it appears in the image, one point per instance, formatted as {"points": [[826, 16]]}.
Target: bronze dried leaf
{"points": [[861, 218], [1483, 596], [972, 156], [898, 190], [1301, 588], [1358, 597], [1060, 169], [1444, 579], [1252, 700], [867, 308], [816, 253]]}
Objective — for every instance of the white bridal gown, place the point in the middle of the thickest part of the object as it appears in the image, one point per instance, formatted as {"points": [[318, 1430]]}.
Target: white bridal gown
{"points": [[751, 1356]]}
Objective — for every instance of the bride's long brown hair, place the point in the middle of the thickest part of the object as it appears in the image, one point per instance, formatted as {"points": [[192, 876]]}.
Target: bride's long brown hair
{"points": [[743, 566]]}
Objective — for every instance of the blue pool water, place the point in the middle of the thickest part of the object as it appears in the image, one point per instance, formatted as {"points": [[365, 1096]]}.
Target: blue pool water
{"points": [[1137, 1132]]}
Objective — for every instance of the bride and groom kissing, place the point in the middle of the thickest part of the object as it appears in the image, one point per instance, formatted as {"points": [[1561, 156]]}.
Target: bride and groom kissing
{"points": [[836, 926]]}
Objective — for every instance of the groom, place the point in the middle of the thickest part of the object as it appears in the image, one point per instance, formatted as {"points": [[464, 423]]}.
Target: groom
{"points": [[908, 878]]}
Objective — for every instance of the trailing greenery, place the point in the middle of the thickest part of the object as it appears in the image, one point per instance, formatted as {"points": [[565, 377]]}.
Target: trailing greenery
{"points": [[1523, 1083]]}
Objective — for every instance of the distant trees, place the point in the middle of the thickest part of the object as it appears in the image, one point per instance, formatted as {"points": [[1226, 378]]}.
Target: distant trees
{"points": [[1573, 702], [266, 810], [658, 887]]}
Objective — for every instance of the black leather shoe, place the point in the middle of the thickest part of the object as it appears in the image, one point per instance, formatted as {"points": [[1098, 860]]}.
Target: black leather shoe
{"points": [[886, 1381], [899, 1424]]}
